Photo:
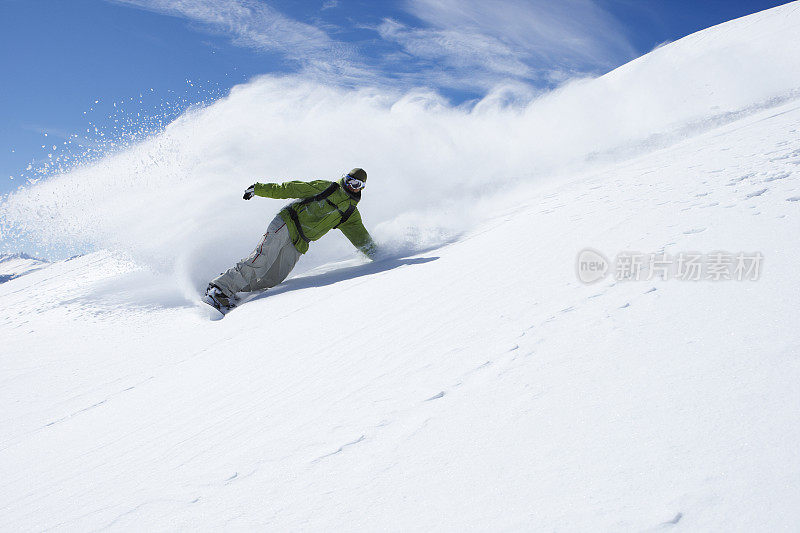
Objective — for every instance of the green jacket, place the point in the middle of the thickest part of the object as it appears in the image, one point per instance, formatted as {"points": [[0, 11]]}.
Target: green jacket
{"points": [[316, 218]]}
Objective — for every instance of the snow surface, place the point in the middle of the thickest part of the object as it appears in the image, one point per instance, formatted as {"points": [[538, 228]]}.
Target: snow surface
{"points": [[467, 380]]}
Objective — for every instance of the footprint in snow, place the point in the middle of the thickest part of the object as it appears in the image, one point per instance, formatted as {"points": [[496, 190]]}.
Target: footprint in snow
{"points": [[756, 193], [793, 199], [693, 231], [734, 181], [778, 176], [675, 520], [341, 448]]}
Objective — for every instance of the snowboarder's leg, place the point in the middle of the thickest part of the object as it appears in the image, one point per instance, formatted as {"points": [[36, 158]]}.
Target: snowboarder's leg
{"points": [[246, 274], [283, 265]]}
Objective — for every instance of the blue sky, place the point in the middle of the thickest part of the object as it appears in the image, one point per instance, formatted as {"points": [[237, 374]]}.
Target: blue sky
{"points": [[80, 74]]}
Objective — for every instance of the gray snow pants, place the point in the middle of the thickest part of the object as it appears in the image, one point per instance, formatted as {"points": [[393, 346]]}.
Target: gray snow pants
{"points": [[268, 265]]}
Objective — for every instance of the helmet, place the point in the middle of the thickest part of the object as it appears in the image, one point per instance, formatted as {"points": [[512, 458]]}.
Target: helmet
{"points": [[358, 173]]}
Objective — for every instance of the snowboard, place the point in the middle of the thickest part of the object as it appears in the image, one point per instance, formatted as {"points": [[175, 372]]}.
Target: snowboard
{"points": [[221, 311]]}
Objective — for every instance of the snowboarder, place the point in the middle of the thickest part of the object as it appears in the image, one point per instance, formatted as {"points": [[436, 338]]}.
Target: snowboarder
{"points": [[323, 205]]}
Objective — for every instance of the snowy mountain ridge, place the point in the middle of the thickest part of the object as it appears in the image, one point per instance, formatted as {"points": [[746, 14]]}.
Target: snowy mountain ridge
{"points": [[470, 383], [16, 265]]}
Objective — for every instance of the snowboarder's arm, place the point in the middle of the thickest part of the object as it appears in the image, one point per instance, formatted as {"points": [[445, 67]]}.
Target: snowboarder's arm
{"points": [[357, 234], [291, 189]]}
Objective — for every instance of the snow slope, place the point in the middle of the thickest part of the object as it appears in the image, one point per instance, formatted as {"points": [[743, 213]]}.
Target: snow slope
{"points": [[474, 385]]}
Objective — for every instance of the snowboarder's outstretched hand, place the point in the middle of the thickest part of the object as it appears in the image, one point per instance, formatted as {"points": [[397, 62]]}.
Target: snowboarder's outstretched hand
{"points": [[250, 192]]}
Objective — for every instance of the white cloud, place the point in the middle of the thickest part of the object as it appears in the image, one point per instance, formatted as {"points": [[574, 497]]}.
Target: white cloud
{"points": [[530, 38], [465, 44], [456, 48], [251, 24]]}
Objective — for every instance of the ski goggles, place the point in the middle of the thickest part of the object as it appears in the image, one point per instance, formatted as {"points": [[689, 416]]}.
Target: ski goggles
{"points": [[354, 183]]}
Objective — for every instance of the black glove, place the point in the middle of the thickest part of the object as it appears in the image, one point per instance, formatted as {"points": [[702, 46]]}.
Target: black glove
{"points": [[250, 192]]}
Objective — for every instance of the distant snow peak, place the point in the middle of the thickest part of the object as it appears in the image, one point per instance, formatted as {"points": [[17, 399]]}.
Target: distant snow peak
{"points": [[19, 255], [18, 264]]}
